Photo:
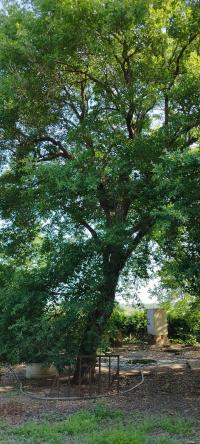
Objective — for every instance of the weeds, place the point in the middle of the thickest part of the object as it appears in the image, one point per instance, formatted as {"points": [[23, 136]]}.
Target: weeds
{"points": [[103, 425]]}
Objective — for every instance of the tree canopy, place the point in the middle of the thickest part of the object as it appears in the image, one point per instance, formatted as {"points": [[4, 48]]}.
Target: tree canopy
{"points": [[99, 110]]}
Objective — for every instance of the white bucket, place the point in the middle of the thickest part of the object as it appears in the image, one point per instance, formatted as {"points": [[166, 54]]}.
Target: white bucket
{"points": [[39, 370]]}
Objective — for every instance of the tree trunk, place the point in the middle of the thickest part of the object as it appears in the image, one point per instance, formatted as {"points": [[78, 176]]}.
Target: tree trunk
{"points": [[97, 321], [95, 327]]}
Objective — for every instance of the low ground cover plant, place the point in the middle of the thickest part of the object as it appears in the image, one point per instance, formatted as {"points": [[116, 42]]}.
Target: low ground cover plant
{"points": [[102, 425]]}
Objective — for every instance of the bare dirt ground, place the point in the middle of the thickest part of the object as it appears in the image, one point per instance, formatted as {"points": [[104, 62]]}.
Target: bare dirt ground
{"points": [[169, 390]]}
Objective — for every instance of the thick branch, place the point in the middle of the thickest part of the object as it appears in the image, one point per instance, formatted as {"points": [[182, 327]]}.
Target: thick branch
{"points": [[53, 156], [88, 75], [166, 110], [84, 103], [129, 118], [105, 202], [89, 228], [71, 104], [177, 67], [142, 228], [175, 75], [62, 153]]}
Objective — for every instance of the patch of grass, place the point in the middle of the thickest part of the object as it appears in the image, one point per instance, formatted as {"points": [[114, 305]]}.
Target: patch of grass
{"points": [[179, 426], [163, 440], [118, 436], [103, 411], [4, 440], [3, 426], [5, 430], [138, 433], [102, 425], [9, 394], [149, 424], [80, 423], [176, 425]]}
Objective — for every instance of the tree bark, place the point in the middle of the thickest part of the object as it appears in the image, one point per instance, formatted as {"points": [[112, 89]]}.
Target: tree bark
{"points": [[95, 327], [97, 319]]}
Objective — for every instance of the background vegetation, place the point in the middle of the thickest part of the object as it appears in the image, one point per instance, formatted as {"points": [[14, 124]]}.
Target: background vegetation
{"points": [[129, 327]]}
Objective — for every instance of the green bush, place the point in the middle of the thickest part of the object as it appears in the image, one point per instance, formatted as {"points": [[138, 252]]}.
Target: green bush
{"points": [[136, 324], [182, 330], [130, 327], [125, 327], [184, 321]]}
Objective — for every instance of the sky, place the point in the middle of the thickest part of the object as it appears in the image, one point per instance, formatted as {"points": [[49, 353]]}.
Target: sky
{"points": [[144, 294]]}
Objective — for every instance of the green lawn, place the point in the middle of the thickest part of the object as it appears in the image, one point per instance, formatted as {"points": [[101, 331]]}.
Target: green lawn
{"points": [[103, 426]]}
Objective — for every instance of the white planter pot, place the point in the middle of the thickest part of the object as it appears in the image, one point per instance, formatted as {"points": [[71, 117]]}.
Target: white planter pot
{"points": [[39, 370]]}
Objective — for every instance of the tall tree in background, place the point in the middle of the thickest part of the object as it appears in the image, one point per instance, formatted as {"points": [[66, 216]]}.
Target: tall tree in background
{"points": [[180, 264], [93, 97]]}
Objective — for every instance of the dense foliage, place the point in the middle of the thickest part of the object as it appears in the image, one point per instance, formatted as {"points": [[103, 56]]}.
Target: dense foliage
{"points": [[99, 107], [31, 327], [130, 326], [180, 270], [125, 326]]}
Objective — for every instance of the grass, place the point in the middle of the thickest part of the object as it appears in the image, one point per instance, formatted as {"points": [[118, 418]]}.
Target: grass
{"points": [[103, 425]]}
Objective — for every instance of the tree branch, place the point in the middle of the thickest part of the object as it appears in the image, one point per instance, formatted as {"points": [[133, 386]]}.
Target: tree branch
{"points": [[72, 106], [129, 117], [89, 228], [63, 152], [52, 156], [75, 70], [142, 228], [105, 203], [175, 74], [177, 67]]}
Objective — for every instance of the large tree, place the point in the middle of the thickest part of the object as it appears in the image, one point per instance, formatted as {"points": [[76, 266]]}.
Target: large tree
{"points": [[93, 96]]}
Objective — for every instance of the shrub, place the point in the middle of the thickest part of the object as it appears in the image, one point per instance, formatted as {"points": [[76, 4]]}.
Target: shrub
{"points": [[124, 326], [184, 321]]}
